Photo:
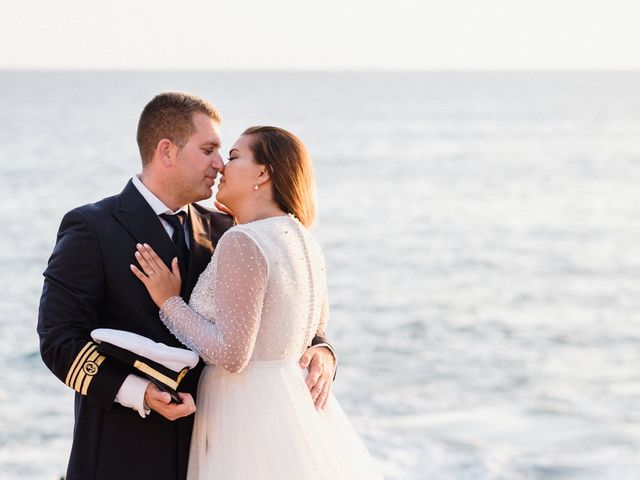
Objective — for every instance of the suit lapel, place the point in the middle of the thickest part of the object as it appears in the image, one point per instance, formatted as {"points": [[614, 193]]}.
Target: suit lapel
{"points": [[139, 219]]}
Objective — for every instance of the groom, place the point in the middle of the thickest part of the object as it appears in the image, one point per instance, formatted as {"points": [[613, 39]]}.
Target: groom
{"points": [[125, 427]]}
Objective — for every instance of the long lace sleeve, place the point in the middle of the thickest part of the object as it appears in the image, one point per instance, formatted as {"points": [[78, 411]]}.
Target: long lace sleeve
{"points": [[324, 316], [232, 292]]}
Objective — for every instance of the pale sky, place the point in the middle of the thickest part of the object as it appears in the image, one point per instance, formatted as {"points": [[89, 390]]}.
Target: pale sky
{"points": [[320, 34]]}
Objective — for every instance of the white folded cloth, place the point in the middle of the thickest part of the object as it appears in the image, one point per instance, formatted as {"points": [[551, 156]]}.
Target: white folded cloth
{"points": [[173, 358]]}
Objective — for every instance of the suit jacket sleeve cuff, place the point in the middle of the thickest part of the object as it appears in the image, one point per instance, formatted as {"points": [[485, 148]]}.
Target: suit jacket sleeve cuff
{"points": [[105, 386], [326, 345]]}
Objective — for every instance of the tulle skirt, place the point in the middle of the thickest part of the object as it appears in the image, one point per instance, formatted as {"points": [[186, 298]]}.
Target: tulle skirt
{"points": [[261, 423]]}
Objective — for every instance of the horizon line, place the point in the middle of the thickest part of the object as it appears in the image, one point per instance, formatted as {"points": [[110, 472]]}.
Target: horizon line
{"points": [[323, 70]]}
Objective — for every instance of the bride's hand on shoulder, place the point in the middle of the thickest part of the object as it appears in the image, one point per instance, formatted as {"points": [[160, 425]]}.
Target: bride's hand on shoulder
{"points": [[223, 208], [161, 282]]}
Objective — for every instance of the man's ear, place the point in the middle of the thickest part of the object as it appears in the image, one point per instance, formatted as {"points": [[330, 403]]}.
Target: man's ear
{"points": [[166, 151]]}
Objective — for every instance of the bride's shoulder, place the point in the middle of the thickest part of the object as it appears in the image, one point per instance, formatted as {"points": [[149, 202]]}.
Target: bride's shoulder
{"points": [[238, 232], [239, 242], [250, 235], [272, 231]]}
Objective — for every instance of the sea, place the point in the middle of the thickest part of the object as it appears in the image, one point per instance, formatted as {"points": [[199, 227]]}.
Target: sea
{"points": [[482, 236]]}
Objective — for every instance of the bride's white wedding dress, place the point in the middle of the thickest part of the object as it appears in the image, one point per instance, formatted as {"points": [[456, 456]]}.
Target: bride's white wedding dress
{"points": [[253, 313]]}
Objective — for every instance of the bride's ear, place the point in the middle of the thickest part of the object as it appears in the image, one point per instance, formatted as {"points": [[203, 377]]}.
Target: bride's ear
{"points": [[263, 177]]}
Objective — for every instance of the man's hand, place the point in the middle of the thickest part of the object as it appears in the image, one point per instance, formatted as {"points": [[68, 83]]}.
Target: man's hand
{"points": [[160, 402], [322, 366]]}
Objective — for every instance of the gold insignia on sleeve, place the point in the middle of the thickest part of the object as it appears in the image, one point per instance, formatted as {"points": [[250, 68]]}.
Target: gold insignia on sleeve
{"points": [[84, 368], [90, 368]]}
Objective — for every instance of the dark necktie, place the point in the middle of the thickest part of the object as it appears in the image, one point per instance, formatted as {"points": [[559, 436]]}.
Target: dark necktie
{"points": [[177, 223]]}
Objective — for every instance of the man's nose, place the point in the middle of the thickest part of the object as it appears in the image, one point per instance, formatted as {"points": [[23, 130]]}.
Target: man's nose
{"points": [[217, 162]]}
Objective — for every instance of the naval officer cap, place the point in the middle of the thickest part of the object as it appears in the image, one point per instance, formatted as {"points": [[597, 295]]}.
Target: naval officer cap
{"points": [[165, 366]]}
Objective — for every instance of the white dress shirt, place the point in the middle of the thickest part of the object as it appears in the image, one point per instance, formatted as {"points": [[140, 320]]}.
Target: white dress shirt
{"points": [[159, 208]]}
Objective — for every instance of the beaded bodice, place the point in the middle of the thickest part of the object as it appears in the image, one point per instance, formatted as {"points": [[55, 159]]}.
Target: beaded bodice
{"points": [[262, 297]]}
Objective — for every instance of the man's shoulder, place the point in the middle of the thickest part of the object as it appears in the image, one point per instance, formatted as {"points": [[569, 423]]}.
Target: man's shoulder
{"points": [[101, 211], [107, 203], [96, 209]]}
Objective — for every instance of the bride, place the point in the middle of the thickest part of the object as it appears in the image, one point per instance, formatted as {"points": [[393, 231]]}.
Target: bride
{"points": [[252, 314]]}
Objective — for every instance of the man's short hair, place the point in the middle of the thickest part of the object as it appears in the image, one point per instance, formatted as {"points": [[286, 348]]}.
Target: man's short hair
{"points": [[170, 115]]}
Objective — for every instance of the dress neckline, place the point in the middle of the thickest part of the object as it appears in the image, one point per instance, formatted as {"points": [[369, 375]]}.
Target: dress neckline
{"points": [[287, 215]]}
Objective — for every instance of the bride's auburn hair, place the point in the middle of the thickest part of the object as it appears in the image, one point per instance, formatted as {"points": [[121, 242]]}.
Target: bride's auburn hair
{"points": [[290, 170]]}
